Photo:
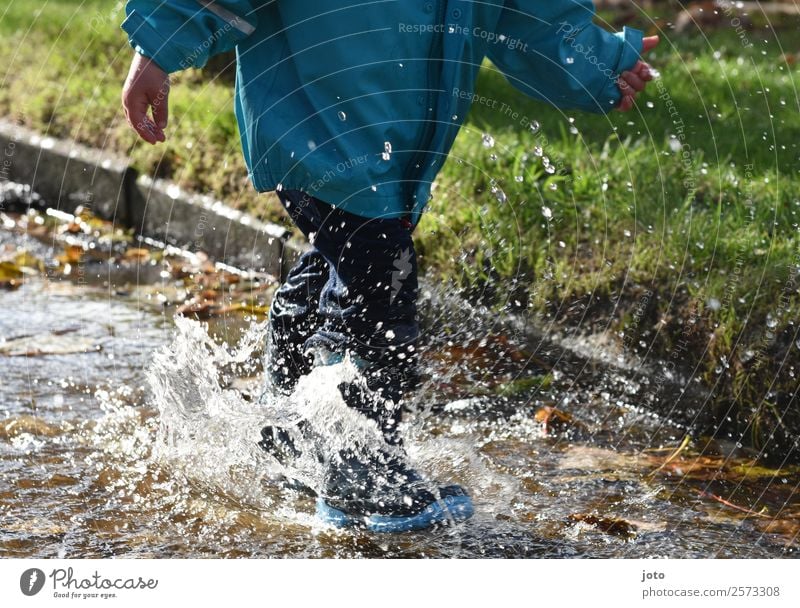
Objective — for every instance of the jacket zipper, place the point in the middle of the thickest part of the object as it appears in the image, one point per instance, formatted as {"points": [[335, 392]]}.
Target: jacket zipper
{"points": [[416, 166]]}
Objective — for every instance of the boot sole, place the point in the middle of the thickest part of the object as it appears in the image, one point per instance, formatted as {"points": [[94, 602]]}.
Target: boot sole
{"points": [[456, 508]]}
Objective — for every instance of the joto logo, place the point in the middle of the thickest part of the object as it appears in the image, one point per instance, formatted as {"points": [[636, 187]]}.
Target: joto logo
{"points": [[31, 581]]}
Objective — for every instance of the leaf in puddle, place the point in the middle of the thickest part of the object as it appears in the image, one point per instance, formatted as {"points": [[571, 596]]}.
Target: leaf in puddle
{"points": [[24, 259], [72, 254], [251, 308], [556, 421], [10, 275], [199, 309], [521, 385], [137, 254], [597, 459], [789, 529], [11, 427], [613, 526], [715, 467], [494, 352]]}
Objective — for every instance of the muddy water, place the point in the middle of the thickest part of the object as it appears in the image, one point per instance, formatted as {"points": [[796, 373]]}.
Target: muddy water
{"points": [[123, 433]]}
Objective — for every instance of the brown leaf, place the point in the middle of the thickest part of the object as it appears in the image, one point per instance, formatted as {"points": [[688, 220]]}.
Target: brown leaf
{"points": [[616, 527], [204, 309], [10, 275], [137, 254], [554, 420], [72, 254]]}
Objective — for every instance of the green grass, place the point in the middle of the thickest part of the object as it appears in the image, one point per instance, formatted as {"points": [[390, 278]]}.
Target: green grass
{"points": [[715, 238]]}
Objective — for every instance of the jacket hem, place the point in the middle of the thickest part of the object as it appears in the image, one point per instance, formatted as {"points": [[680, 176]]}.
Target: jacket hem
{"points": [[372, 205]]}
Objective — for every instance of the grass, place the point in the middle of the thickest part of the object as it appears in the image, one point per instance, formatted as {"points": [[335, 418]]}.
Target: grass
{"points": [[689, 254]]}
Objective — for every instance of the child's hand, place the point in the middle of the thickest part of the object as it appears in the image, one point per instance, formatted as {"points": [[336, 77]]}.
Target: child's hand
{"points": [[147, 86], [633, 81]]}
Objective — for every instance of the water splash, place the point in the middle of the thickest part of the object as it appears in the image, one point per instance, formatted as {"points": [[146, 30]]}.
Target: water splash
{"points": [[208, 430]]}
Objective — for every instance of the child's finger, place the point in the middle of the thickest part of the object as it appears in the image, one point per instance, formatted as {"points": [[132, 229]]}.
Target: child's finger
{"points": [[649, 43], [137, 118], [643, 70], [161, 111], [636, 83], [626, 103], [624, 87]]}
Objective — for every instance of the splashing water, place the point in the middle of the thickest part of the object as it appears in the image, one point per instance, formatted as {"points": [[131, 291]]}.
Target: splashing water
{"points": [[207, 430]]}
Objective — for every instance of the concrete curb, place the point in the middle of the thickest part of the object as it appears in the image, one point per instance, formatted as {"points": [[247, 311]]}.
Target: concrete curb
{"points": [[67, 174]]}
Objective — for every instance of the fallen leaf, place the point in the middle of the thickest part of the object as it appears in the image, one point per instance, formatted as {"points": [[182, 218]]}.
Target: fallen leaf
{"points": [[10, 275], [33, 425], [137, 254], [554, 420], [616, 527]]}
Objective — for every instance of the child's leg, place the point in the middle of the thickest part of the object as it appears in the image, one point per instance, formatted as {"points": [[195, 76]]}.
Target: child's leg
{"points": [[293, 318], [368, 304], [368, 309]]}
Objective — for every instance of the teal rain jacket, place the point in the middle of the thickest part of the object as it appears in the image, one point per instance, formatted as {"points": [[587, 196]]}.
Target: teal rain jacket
{"points": [[358, 102]]}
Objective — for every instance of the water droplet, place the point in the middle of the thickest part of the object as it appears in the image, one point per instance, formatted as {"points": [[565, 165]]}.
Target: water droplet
{"points": [[499, 194], [342, 116], [570, 60], [547, 212], [553, 186], [650, 104], [488, 141], [518, 178], [389, 334], [535, 126], [537, 151], [387, 151], [550, 169], [772, 322]]}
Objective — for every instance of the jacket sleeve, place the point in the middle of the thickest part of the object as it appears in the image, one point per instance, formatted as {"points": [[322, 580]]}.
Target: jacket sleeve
{"points": [[179, 34], [551, 50]]}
